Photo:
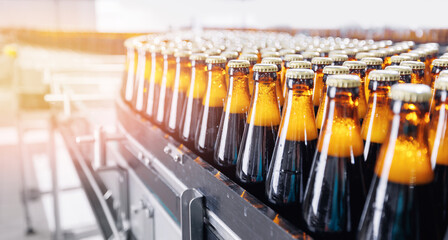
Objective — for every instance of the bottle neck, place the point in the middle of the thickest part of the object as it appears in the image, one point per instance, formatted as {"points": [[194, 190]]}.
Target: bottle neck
{"points": [[183, 74], [238, 97], [264, 109], [440, 103], [216, 90], [198, 79]]}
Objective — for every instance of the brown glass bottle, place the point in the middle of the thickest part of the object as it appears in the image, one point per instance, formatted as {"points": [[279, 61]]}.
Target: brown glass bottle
{"points": [[309, 55], [286, 61], [438, 65], [361, 55], [412, 56], [373, 63], [328, 71], [405, 73], [229, 55], [396, 60], [234, 118], [252, 58], [318, 64], [335, 192], [193, 100], [294, 147], [155, 78], [166, 84], [380, 54], [418, 71], [141, 78], [358, 68], [127, 89], [339, 59], [351, 53], [179, 90], [438, 145], [400, 204], [212, 107], [376, 124], [260, 132], [277, 62]]}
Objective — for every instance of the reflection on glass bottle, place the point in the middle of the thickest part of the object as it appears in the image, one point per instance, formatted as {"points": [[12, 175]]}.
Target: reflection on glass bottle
{"points": [[229, 55], [400, 204], [278, 62], [139, 84], [260, 132], [405, 73], [359, 68], [375, 127], [295, 146], [155, 78], [166, 84], [335, 192], [130, 70], [212, 107], [252, 58], [373, 63], [318, 66], [233, 118], [418, 71]]}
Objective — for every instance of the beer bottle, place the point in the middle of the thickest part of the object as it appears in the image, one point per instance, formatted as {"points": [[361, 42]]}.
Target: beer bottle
{"points": [[252, 58], [260, 132], [396, 60], [229, 55], [233, 118], [309, 55], [252, 51], [376, 124], [286, 60], [141, 79], [270, 55], [373, 63], [351, 53], [328, 71], [130, 70], [412, 56], [358, 68], [339, 59], [438, 65], [401, 201], [361, 55], [380, 54], [438, 143], [319, 63], [155, 79], [285, 52], [294, 147], [193, 100], [335, 193], [212, 107], [169, 72], [405, 73], [180, 87], [418, 70], [300, 65], [277, 62], [390, 52]]}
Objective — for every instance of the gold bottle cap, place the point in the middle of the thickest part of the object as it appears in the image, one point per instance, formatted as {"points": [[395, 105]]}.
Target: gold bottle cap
{"points": [[351, 51], [269, 49], [322, 60], [402, 70], [336, 52], [339, 57], [355, 65], [362, 55], [213, 52], [272, 60], [310, 54], [265, 68], [198, 56], [372, 61], [399, 59], [299, 65], [229, 55], [384, 75], [441, 83], [414, 65], [238, 64], [379, 53], [332, 70], [420, 53], [270, 54], [293, 57], [300, 73], [413, 56], [216, 59], [443, 73], [343, 81], [409, 92], [249, 57], [443, 57], [250, 51], [285, 52], [440, 62], [182, 53]]}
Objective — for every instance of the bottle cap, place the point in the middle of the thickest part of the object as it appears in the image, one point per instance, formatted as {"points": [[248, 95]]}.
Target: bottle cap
{"points": [[293, 57], [265, 68], [300, 73], [332, 70], [443, 73], [351, 51], [399, 59], [372, 61], [355, 65], [300, 64], [322, 60], [414, 65], [198, 56], [379, 53], [238, 64], [362, 55], [270, 54], [413, 56], [339, 57], [440, 62], [285, 52], [215, 59], [229, 55], [343, 81], [213, 52], [249, 57], [420, 53], [441, 83], [384, 75], [250, 51], [272, 60], [402, 70], [310, 54], [409, 92]]}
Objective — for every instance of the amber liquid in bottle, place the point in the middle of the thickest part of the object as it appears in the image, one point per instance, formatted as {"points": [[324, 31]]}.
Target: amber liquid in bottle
{"points": [[130, 70], [211, 111], [376, 124], [367, 80], [400, 203], [180, 87], [193, 102], [323, 104], [155, 79], [335, 193], [169, 73], [278, 86], [435, 71], [438, 145], [418, 76], [260, 132], [233, 120], [139, 86], [293, 152], [318, 85]]}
